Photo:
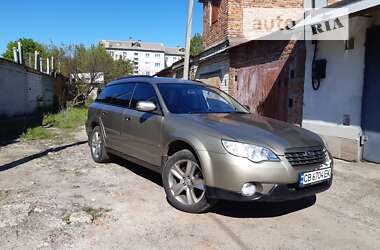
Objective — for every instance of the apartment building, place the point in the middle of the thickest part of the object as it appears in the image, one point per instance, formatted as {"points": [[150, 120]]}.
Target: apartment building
{"points": [[148, 58]]}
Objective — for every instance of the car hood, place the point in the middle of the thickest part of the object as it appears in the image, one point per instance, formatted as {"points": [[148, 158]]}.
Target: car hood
{"points": [[254, 129]]}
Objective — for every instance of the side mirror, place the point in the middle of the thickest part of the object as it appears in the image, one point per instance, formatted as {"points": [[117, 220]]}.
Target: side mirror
{"points": [[146, 106], [247, 107]]}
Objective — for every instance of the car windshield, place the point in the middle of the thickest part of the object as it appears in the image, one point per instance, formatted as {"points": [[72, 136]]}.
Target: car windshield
{"points": [[194, 98]]}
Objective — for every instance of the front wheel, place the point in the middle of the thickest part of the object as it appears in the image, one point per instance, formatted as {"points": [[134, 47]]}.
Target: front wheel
{"points": [[184, 184]]}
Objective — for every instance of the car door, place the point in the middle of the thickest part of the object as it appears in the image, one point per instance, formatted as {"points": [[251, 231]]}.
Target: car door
{"points": [[119, 115], [142, 131], [108, 115]]}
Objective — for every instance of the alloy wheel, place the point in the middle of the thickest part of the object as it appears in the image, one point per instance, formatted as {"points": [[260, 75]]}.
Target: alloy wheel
{"points": [[186, 182], [96, 144]]}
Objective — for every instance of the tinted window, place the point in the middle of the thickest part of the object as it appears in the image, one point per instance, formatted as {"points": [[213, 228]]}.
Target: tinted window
{"points": [[144, 92], [192, 98], [117, 94], [105, 95], [124, 94]]}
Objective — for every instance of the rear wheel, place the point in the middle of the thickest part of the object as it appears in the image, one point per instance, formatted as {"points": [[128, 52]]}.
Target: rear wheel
{"points": [[98, 150], [184, 183]]}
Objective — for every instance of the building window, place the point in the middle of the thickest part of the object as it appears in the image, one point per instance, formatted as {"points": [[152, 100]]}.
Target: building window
{"points": [[157, 65], [136, 54], [111, 53], [157, 55], [215, 8], [147, 73], [124, 54], [174, 58], [147, 54]]}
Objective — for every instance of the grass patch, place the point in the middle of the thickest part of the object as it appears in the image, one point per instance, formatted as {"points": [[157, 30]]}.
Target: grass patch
{"points": [[70, 118], [36, 133], [95, 212]]}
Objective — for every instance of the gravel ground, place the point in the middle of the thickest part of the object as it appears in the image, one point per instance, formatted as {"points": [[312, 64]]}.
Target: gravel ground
{"points": [[53, 196]]}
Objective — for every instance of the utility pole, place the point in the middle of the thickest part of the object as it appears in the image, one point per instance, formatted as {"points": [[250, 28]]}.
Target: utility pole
{"points": [[186, 64]]}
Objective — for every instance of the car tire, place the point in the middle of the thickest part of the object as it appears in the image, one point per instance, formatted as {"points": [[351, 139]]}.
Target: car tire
{"points": [[97, 147], [183, 188]]}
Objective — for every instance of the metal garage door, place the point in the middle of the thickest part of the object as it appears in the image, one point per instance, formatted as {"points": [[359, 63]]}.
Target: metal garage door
{"points": [[371, 97], [264, 88]]}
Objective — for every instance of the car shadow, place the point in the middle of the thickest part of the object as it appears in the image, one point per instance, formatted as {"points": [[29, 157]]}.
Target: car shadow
{"points": [[229, 208], [28, 158], [138, 170], [262, 209]]}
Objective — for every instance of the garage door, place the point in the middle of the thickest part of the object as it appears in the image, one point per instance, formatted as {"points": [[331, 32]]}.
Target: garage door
{"points": [[371, 97]]}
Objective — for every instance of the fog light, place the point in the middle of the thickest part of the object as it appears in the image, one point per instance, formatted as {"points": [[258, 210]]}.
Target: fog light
{"points": [[248, 189]]}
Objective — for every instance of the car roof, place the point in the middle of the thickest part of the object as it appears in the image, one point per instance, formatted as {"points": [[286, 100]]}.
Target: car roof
{"points": [[152, 80]]}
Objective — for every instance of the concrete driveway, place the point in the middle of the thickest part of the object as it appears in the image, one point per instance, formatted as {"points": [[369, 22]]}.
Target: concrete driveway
{"points": [[53, 196]]}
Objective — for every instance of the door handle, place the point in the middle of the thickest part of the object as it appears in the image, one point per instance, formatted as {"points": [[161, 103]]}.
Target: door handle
{"points": [[127, 118]]}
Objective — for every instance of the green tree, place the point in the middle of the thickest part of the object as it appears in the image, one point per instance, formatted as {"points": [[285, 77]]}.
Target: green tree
{"points": [[28, 48], [196, 44], [85, 66], [120, 68]]}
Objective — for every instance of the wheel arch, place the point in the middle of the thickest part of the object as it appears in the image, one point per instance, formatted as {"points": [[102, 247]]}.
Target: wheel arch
{"points": [[202, 156], [181, 144]]}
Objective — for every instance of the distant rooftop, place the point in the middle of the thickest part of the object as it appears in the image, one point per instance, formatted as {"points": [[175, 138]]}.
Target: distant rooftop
{"points": [[143, 46]]}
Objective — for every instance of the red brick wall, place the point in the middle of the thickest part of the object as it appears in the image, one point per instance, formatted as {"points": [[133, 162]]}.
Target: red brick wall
{"points": [[230, 20], [216, 32]]}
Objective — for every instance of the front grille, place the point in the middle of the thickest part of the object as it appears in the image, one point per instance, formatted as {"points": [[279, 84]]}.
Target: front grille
{"points": [[307, 157]]}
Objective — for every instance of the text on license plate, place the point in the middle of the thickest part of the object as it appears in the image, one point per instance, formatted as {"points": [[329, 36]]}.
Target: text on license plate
{"points": [[315, 176]]}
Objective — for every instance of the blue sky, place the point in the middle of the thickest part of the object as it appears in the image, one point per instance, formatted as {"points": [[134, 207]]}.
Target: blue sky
{"points": [[88, 21]]}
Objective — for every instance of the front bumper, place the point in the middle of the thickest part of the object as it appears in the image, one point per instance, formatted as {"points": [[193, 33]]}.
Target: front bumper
{"points": [[279, 192], [225, 175]]}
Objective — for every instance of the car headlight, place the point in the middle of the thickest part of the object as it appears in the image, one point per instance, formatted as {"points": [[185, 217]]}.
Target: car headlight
{"points": [[249, 151]]}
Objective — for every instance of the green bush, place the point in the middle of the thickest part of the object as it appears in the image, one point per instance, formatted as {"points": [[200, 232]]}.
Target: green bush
{"points": [[36, 133]]}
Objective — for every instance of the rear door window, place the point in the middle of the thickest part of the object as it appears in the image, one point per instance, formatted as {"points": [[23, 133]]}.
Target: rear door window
{"points": [[119, 95]]}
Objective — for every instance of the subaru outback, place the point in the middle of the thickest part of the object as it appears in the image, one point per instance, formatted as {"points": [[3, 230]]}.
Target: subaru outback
{"points": [[205, 144]]}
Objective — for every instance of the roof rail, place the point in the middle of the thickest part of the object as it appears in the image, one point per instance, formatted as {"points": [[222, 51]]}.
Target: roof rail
{"points": [[134, 76]]}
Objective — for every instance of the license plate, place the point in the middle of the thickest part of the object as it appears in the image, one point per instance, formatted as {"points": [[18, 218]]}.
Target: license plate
{"points": [[314, 177]]}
